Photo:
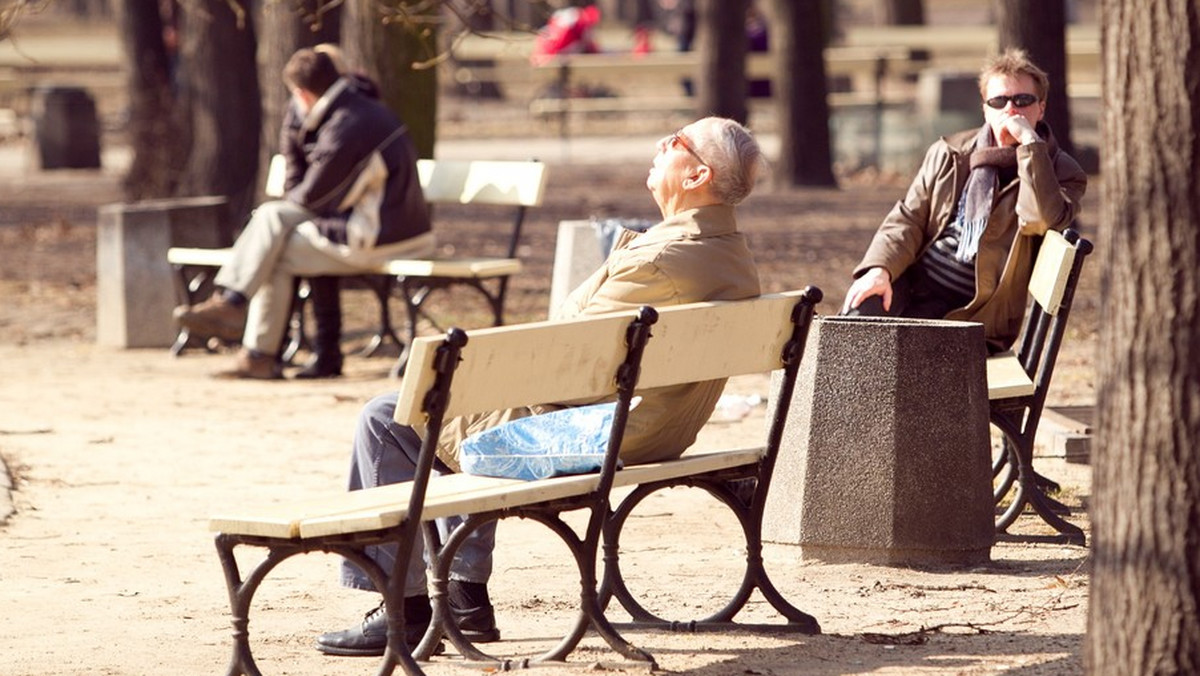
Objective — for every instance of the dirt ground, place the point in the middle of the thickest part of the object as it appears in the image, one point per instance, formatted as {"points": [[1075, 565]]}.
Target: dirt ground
{"points": [[117, 458]]}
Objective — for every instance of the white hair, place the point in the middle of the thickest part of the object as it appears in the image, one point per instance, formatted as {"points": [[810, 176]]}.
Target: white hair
{"points": [[732, 153]]}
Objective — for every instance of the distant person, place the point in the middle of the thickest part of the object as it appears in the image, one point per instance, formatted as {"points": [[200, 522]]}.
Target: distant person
{"points": [[359, 203], [960, 245], [695, 253], [569, 31], [324, 290]]}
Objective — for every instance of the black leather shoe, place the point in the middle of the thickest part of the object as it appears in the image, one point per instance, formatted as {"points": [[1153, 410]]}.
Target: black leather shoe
{"points": [[369, 639], [321, 367], [472, 611]]}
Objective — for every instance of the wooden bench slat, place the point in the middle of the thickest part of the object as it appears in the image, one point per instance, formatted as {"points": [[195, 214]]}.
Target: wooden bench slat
{"points": [[451, 267], [386, 506], [213, 258], [533, 373], [480, 268], [1048, 281], [1006, 378]]}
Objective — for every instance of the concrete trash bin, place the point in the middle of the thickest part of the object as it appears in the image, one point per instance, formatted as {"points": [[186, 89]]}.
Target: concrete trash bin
{"points": [[66, 129], [135, 285], [886, 458]]}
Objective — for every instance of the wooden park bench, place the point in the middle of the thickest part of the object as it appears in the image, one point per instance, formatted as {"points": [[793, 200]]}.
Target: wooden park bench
{"points": [[459, 373], [1019, 381], [519, 185], [865, 68]]}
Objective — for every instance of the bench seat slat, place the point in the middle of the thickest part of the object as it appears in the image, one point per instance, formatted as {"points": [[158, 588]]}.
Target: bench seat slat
{"points": [[452, 267], [465, 268], [214, 258], [385, 506], [1006, 378]]}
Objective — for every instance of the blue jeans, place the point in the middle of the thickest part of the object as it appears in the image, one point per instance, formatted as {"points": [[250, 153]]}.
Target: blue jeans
{"points": [[386, 452]]}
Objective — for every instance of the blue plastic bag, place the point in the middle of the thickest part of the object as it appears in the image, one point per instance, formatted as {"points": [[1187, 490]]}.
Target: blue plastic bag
{"points": [[570, 441]]}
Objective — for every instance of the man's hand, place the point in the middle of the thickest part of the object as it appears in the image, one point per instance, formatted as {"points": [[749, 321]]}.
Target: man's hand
{"points": [[1021, 129], [874, 282]]}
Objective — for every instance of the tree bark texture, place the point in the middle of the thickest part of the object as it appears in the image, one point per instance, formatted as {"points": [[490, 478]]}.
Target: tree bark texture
{"points": [[721, 38], [219, 98], [155, 166], [806, 156], [283, 29], [1040, 28], [1144, 614], [395, 41]]}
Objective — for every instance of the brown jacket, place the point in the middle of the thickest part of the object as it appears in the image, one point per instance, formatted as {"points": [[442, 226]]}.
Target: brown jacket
{"points": [[1044, 196], [697, 255]]}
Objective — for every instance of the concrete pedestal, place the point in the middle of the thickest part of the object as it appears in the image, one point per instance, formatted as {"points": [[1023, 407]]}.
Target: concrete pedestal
{"points": [[577, 254], [886, 457], [135, 285]]}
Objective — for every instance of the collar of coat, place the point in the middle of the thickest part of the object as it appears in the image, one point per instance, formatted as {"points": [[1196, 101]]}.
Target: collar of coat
{"points": [[317, 113], [708, 221]]}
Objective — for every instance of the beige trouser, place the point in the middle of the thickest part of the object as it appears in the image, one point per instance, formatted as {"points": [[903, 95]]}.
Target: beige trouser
{"points": [[280, 243]]}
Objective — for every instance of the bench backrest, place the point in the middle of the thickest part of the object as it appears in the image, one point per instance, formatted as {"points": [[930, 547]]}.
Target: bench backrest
{"points": [[460, 182], [541, 362], [483, 182], [1052, 285], [1051, 271]]}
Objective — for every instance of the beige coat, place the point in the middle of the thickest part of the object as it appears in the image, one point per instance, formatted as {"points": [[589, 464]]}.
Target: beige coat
{"points": [[697, 255], [1044, 196]]}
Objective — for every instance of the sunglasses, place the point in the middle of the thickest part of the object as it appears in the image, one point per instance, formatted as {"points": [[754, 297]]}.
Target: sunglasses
{"points": [[1018, 100], [678, 139]]}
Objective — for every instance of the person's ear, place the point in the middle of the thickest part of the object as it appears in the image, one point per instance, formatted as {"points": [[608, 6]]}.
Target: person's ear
{"points": [[697, 178]]}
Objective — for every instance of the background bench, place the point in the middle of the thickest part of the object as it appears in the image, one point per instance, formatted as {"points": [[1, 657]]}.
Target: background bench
{"points": [[1019, 381], [518, 185], [489, 369]]}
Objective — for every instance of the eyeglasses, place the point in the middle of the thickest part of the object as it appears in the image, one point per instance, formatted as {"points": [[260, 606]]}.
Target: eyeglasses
{"points": [[1018, 100], [678, 139]]}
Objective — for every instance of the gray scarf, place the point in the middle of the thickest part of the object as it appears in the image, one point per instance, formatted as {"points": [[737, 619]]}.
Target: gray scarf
{"points": [[976, 203]]}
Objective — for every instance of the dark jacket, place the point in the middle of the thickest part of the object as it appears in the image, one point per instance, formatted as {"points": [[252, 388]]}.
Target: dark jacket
{"points": [[1044, 196], [352, 163]]}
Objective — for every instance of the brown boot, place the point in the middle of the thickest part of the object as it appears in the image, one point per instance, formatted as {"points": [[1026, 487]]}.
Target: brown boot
{"points": [[255, 366], [214, 317]]}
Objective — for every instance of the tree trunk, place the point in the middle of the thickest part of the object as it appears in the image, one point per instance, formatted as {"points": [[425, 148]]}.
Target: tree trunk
{"points": [[805, 156], [721, 39], [219, 99], [1144, 613], [282, 31], [154, 169], [1040, 28], [387, 47], [903, 12]]}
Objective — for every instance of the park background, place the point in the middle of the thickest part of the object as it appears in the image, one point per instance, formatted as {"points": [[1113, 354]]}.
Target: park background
{"points": [[116, 457]]}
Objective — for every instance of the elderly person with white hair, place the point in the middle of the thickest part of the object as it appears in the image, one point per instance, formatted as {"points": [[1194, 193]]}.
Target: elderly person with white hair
{"points": [[695, 253]]}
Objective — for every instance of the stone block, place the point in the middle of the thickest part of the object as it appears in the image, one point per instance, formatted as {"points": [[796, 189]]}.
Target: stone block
{"points": [[1075, 448], [66, 128], [886, 456], [135, 285], [577, 254]]}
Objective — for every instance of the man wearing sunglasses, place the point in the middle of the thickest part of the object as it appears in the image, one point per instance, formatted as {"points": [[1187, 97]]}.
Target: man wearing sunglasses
{"points": [[961, 243], [695, 253]]}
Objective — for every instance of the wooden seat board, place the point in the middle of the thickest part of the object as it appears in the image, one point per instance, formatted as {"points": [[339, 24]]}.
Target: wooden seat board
{"points": [[449, 495], [445, 497], [1006, 377]]}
